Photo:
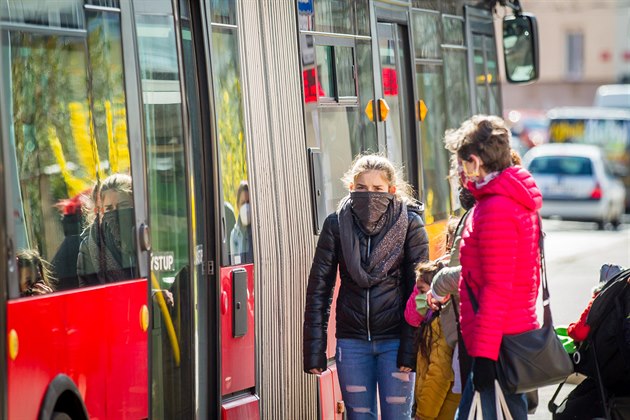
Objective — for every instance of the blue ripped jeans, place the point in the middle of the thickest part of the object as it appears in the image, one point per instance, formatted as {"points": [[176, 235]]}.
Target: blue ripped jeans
{"points": [[361, 365]]}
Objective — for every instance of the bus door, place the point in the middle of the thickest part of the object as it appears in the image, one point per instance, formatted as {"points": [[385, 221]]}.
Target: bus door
{"points": [[76, 280], [442, 102], [395, 108], [176, 137], [235, 247], [411, 143]]}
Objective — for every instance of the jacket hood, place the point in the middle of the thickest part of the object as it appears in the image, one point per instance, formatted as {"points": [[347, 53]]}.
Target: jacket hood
{"points": [[415, 206], [514, 182]]}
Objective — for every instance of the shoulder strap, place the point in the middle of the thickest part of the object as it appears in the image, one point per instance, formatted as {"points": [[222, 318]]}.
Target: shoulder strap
{"points": [[543, 276]]}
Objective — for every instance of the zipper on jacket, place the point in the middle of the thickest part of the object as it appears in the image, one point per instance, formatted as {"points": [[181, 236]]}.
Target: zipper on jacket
{"points": [[369, 334]]}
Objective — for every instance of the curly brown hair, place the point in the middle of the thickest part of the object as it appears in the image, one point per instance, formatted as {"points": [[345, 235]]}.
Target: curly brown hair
{"points": [[425, 271], [485, 136]]}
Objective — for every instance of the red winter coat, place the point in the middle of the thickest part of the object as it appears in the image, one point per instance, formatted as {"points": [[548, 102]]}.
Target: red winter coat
{"points": [[500, 261]]}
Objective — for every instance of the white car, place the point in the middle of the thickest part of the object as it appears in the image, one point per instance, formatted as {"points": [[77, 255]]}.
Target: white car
{"points": [[577, 183]]}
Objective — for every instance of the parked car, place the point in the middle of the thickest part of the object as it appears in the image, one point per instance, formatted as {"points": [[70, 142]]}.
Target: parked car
{"points": [[577, 183]]}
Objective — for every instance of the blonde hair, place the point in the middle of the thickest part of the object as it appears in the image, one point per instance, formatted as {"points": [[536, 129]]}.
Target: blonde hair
{"points": [[376, 162], [121, 183]]}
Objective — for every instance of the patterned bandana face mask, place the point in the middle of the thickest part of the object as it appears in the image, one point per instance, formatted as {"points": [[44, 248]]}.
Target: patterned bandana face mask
{"points": [[370, 207], [117, 229]]}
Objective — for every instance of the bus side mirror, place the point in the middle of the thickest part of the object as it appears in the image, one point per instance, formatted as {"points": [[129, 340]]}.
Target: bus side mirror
{"points": [[520, 48]]}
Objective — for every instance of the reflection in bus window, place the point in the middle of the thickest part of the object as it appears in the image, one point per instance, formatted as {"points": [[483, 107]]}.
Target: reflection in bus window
{"points": [[34, 276], [492, 67], [223, 11], [344, 66], [458, 99], [325, 71], [241, 234], [107, 251], [435, 167], [233, 164], [171, 370], [68, 133], [427, 34], [486, 74]]}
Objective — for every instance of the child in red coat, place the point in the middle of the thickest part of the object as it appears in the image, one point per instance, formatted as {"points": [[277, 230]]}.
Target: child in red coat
{"points": [[579, 330]]}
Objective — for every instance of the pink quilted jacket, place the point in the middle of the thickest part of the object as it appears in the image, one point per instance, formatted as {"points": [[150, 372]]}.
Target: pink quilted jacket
{"points": [[500, 261]]}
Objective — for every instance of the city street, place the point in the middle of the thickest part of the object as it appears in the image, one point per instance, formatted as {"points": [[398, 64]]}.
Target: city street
{"points": [[575, 252]]}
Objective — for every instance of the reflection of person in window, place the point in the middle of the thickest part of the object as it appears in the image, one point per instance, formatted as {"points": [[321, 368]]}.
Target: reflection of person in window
{"points": [[107, 251], [240, 238], [230, 221], [35, 278], [64, 262]]}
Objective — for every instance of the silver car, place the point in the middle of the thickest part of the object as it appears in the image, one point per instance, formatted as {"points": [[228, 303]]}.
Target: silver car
{"points": [[577, 183]]}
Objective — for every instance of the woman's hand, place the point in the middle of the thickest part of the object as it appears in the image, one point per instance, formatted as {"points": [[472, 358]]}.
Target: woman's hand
{"points": [[315, 371], [405, 369], [39, 289]]}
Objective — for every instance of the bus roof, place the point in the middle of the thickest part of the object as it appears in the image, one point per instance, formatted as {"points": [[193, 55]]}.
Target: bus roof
{"points": [[588, 113], [614, 96]]}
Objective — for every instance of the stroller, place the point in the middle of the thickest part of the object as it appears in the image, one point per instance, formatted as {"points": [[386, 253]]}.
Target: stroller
{"points": [[604, 357]]}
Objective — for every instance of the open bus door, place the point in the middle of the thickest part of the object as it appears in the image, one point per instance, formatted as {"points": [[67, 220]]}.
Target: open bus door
{"points": [[411, 105]]}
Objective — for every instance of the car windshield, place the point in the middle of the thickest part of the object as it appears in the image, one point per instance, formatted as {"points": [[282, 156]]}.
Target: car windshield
{"points": [[561, 165]]}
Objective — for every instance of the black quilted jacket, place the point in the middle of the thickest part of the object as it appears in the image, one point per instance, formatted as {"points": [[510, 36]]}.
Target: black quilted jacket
{"points": [[369, 314]]}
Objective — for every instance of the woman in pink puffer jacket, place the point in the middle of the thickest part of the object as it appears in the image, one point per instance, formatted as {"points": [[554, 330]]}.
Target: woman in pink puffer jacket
{"points": [[499, 254]]}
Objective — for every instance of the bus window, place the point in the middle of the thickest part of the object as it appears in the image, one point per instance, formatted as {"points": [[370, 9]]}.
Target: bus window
{"points": [[338, 84], [68, 136], [455, 71], [429, 54], [171, 334], [237, 243], [435, 164], [483, 58]]}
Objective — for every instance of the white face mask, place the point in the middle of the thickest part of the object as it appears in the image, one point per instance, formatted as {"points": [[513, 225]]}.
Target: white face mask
{"points": [[243, 213]]}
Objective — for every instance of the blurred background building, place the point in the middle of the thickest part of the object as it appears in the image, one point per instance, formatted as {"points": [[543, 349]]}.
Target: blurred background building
{"points": [[583, 44]]}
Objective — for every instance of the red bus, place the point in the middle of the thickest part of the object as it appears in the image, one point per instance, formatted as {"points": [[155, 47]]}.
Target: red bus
{"points": [[164, 170]]}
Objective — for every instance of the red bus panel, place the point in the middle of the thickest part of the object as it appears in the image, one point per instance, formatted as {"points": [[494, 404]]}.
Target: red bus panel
{"points": [[238, 369], [246, 407], [330, 394], [94, 336]]}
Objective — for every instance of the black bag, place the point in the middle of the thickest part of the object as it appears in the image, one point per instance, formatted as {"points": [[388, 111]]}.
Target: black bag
{"points": [[619, 408], [535, 358]]}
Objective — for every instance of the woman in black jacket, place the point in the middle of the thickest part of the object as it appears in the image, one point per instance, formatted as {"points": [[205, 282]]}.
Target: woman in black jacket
{"points": [[375, 239]]}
